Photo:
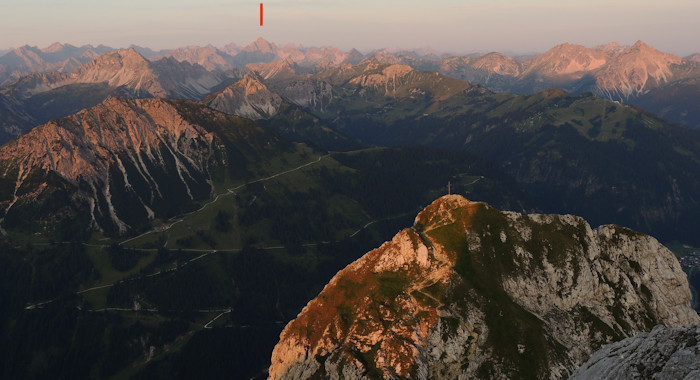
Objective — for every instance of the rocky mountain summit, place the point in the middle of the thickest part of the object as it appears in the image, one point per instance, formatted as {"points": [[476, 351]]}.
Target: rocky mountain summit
{"points": [[663, 353], [473, 292]]}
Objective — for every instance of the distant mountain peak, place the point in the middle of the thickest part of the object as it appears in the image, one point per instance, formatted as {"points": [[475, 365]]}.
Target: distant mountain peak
{"points": [[641, 45], [612, 47], [375, 67], [398, 70], [249, 97], [26, 47], [645, 51], [260, 45], [53, 48], [636, 70], [208, 57], [693, 57], [130, 52], [567, 47], [353, 56], [498, 63], [252, 82], [277, 69], [122, 58], [231, 48], [567, 59]]}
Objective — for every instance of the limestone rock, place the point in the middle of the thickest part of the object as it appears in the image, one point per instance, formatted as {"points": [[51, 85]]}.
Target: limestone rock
{"points": [[663, 353], [473, 292]]}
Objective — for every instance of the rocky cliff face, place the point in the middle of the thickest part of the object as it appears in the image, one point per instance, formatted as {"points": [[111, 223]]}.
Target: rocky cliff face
{"points": [[663, 353], [118, 164], [640, 68], [473, 292], [121, 68], [249, 97]]}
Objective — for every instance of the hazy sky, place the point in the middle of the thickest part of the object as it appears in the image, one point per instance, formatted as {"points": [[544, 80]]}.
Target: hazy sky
{"points": [[515, 26]]}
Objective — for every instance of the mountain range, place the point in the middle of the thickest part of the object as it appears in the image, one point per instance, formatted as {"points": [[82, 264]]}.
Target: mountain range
{"points": [[27, 59], [621, 73], [543, 140], [166, 213], [39, 97], [639, 74]]}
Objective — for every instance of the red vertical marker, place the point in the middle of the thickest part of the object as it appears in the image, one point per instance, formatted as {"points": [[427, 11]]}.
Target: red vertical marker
{"points": [[261, 14]]}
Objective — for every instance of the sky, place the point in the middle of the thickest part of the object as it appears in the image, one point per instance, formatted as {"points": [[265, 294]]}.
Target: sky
{"points": [[456, 26]]}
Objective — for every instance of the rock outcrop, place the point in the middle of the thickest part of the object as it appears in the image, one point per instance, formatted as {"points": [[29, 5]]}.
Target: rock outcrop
{"points": [[663, 353], [473, 292]]}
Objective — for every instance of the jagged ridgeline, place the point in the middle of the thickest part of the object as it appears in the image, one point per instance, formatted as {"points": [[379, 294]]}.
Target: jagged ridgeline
{"points": [[470, 291], [114, 166]]}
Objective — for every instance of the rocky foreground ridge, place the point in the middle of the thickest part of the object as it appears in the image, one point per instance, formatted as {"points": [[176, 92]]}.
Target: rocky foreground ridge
{"points": [[663, 353], [473, 292]]}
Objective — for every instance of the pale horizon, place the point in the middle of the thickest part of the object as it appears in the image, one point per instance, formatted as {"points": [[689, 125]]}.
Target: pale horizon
{"points": [[305, 46], [511, 27]]}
